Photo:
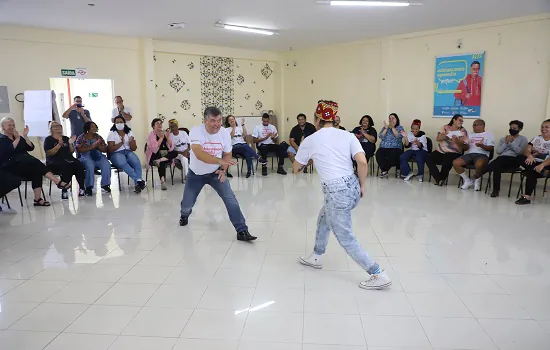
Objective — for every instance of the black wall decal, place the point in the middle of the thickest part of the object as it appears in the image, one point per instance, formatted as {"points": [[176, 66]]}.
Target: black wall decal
{"points": [[176, 83]]}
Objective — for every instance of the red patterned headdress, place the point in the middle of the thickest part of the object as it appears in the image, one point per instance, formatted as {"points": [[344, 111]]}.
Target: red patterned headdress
{"points": [[326, 110]]}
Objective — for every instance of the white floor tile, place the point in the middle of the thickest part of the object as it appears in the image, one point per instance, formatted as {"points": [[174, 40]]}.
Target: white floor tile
{"points": [[187, 276], [68, 341], [80, 292], [278, 300], [473, 284], [383, 304], [516, 334], [494, 306], [25, 340], [147, 274], [318, 279], [334, 347], [178, 296], [333, 329], [49, 317], [330, 302], [7, 285], [226, 298], [393, 331], [128, 294], [101, 319], [424, 283], [56, 272], [104, 273], [13, 311], [457, 333], [158, 322], [246, 345], [235, 278], [215, 324], [36, 291], [273, 327], [142, 343], [438, 305], [282, 279], [205, 344], [537, 306]]}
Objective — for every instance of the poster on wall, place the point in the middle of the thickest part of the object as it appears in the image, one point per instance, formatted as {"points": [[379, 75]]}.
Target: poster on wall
{"points": [[457, 86]]}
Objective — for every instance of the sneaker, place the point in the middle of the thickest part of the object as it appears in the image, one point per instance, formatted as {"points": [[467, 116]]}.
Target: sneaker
{"points": [[376, 281], [384, 174], [264, 170], [467, 184], [64, 195], [142, 184], [313, 260], [477, 184], [420, 178], [163, 186], [494, 194], [523, 201], [245, 236], [137, 189], [248, 173], [88, 192], [281, 170], [229, 175], [81, 193], [184, 221], [408, 177], [106, 189]]}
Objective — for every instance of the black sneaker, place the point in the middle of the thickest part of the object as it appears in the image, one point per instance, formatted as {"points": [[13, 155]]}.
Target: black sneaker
{"points": [[142, 184], [229, 175], [64, 195], [137, 189], [245, 236], [88, 192], [264, 170], [281, 170], [81, 193], [248, 173], [106, 189], [494, 194], [523, 201], [184, 221]]}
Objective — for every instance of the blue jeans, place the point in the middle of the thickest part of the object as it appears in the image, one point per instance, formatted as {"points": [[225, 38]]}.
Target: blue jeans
{"points": [[90, 165], [193, 187], [247, 152], [341, 196], [420, 160], [129, 162]]}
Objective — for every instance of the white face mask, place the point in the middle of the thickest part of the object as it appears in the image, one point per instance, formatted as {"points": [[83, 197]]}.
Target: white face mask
{"points": [[120, 126]]}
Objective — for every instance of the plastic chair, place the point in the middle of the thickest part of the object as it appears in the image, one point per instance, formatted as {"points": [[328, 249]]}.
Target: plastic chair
{"points": [[512, 172]]}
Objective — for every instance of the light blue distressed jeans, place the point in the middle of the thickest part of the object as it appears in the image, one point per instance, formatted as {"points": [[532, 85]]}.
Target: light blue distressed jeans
{"points": [[341, 196]]}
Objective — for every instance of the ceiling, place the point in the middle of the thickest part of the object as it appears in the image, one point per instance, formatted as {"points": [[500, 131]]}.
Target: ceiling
{"points": [[302, 23]]}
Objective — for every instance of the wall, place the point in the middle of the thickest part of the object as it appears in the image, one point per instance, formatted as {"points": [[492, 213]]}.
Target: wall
{"points": [[396, 75]]}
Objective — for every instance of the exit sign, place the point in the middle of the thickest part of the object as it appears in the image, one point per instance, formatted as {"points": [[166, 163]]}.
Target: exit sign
{"points": [[93, 94], [68, 72]]}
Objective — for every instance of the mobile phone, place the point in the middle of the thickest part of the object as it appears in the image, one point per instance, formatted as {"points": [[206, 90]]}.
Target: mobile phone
{"points": [[80, 105]]}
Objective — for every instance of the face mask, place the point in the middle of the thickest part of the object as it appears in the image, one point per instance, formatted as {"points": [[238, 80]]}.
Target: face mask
{"points": [[120, 126], [513, 132]]}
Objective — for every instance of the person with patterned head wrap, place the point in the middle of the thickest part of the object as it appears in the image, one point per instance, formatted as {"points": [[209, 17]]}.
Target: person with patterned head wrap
{"points": [[180, 139], [418, 143], [332, 151]]}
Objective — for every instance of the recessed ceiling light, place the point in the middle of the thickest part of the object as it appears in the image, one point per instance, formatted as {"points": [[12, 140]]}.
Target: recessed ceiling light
{"points": [[176, 25], [368, 3], [246, 29], [91, 5]]}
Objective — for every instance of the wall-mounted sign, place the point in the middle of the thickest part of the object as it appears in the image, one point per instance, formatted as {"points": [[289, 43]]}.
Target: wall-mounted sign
{"points": [[81, 72], [68, 73], [93, 94]]}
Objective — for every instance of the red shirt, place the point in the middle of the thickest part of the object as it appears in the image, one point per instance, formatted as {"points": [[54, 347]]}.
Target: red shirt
{"points": [[473, 87]]}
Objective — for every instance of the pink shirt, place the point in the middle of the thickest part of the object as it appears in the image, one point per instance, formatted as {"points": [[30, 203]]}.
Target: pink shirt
{"points": [[449, 146], [153, 145]]}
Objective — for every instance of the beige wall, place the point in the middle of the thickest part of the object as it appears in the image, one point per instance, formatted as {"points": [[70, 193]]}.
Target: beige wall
{"points": [[396, 75]]}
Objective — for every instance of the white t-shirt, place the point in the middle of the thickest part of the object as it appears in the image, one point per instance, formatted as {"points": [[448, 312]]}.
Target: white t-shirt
{"points": [[261, 131], [423, 140], [115, 137], [115, 113], [237, 136], [487, 138], [213, 144], [541, 148], [181, 141], [332, 151]]}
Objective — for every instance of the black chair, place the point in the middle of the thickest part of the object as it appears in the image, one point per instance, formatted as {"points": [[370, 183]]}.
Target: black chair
{"points": [[271, 155], [19, 190], [473, 167], [5, 200], [397, 167], [522, 178], [173, 171], [240, 169], [512, 172]]}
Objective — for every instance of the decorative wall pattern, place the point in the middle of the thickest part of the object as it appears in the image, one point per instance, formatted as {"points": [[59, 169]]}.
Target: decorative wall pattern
{"points": [[185, 84]]}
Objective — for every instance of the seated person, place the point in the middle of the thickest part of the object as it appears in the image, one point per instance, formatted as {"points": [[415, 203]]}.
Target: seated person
{"points": [[481, 144], [91, 147], [15, 159], [297, 136], [509, 148], [367, 135], [453, 140], [122, 146], [240, 147], [391, 145], [8, 182], [536, 161], [160, 150], [59, 158], [180, 139], [265, 137], [337, 123], [417, 141]]}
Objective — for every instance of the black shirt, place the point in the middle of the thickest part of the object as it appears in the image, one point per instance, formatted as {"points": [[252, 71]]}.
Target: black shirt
{"points": [[63, 153], [370, 131], [296, 133], [341, 127], [16, 153]]}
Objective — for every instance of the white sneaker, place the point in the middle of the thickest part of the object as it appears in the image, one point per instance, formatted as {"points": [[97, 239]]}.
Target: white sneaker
{"points": [[420, 179], [377, 281], [467, 184], [408, 177], [313, 260], [477, 184]]}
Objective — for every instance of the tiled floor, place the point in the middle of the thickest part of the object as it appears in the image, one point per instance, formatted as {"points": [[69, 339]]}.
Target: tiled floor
{"points": [[117, 272]]}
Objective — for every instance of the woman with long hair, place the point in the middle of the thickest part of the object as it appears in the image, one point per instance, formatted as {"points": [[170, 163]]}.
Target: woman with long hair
{"points": [[391, 145], [240, 147], [91, 147], [367, 135], [160, 150]]}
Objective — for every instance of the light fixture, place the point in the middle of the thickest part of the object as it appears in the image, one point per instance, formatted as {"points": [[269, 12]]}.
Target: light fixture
{"points": [[246, 29], [368, 3]]}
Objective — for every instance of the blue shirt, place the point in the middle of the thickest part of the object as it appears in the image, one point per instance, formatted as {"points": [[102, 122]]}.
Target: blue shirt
{"points": [[77, 122], [390, 140]]}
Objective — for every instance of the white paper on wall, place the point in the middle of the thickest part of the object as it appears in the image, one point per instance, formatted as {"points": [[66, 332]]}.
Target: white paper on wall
{"points": [[37, 111]]}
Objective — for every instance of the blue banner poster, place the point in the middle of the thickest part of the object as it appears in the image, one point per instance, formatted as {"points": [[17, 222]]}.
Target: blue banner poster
{"points": [[457, 86]]}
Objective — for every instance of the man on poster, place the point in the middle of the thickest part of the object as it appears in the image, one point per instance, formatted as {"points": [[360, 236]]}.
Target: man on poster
{"points": [[470, 87]]}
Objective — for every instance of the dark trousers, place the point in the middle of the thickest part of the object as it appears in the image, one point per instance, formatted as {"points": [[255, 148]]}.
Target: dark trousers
{"points": [[445, 160], [29, 169], [498, 166], [387, 158], [162, 165], [420, 157], [280, 150], [8, 182], [245, 151], [67, 170], [531, 176]]}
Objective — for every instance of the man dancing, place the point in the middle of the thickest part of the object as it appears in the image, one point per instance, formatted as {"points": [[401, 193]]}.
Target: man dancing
{"points": [[210, 156], [332, 151]]}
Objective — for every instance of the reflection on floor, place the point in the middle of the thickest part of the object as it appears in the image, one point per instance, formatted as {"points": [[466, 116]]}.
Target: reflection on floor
{"points": [[117, 272]]}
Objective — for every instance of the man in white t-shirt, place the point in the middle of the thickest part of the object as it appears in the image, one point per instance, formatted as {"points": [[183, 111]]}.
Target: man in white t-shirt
{"points": [[332, 151], [481, 144], [210, 157], [265, 138], [180, 139], [122, 110]]}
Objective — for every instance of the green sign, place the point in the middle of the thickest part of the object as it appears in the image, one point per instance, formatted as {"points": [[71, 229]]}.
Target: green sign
{"points": [[92, 94], [68, 73]]}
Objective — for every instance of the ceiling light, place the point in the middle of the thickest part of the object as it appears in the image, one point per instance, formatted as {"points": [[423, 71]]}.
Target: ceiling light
{"points": [[367, 3], [246, 29], [176, 25]]}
